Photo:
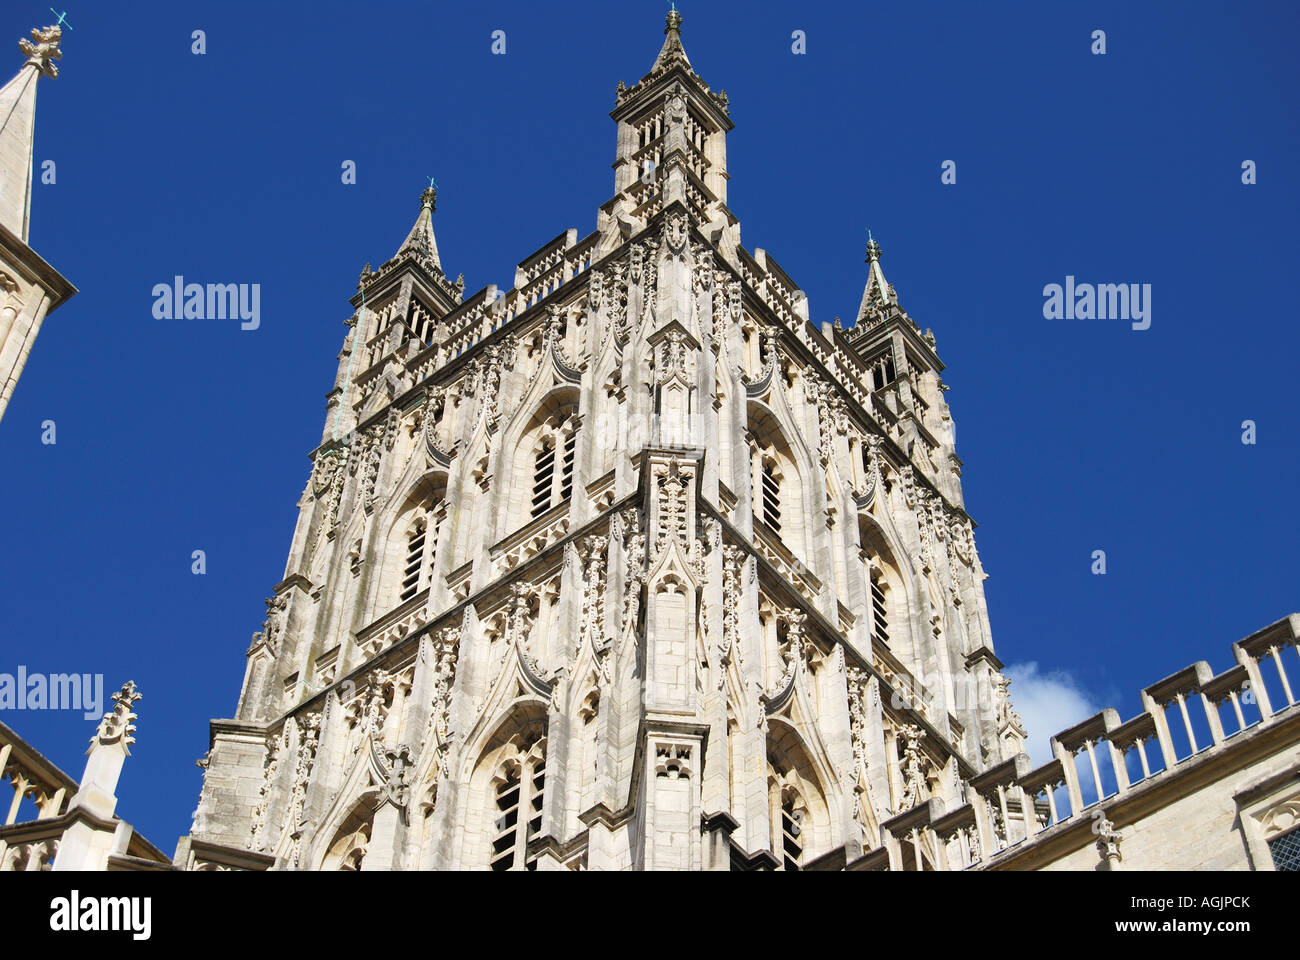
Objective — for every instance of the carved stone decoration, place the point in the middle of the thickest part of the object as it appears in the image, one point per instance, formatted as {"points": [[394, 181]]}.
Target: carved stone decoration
{"points": [[490, 394], [705, 547], [636, 261], [329, 481], [673, 480], [1108, 840], [257, 837], [649, 276], [594, 551], [794, 652], [322, 476], [672, 361], [676, 231], [44, 50], [271, 626], [733, 561], [1007, 718], [304, 762], [372, 455], [909, 485], [702, 282], [508, 352], [446, 651], [915, 766], [825, 399], [771, 354], [858, 722], [961, 539], [721, 311], [367, 711], [735, 300], [518, 621], [551, 338], [874, 470], [617, 297], [397, 770], [118, 724], [431, 423], [864, 693], [634, 550], [469, 381]]}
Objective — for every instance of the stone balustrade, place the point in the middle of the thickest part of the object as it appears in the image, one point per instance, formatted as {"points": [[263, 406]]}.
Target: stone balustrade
{"points": [[33, 777], [30, 854], [1011, 804]]}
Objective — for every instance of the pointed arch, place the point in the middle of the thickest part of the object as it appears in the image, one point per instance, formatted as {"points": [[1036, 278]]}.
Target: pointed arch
{"points": [[539, 458], [415, 526], [351, 840], [781, 470], [894, 589], [354, 805], [799, 812], [506, 791]]}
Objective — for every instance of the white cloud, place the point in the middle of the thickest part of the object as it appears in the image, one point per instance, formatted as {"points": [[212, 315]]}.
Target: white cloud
{"points": [[1047, 703]]}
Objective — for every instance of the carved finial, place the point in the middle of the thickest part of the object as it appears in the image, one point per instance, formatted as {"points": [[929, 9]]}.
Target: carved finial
{"points": [[119, 723], [430, 196], [674, 20], [45, 49], [873, 249], [1108, 840]]}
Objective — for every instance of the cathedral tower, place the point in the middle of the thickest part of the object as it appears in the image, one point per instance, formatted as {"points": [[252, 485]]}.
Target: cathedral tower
{"points": [[631, 566]]}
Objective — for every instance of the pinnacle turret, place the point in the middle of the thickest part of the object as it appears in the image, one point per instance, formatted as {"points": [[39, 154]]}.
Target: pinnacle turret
{"points": [[17, 128], [878, 293], [420, 242], [672, 50]]}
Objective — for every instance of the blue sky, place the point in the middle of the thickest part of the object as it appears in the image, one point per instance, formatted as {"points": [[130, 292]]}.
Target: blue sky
{"points": [[1077, 435]]}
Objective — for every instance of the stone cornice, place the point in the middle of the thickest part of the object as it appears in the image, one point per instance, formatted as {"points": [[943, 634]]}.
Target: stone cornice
{"points": [[28, 261]]}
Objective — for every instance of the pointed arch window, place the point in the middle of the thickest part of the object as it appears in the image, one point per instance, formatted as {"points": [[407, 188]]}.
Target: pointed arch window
{"points": [[791, 837], [882, 369], [879, 610], [771, 494], [417, 537], [519, 796], [554, 465], [543, 477], [788, 817]]}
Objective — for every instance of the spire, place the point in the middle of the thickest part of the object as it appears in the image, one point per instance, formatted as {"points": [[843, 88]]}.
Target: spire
{"points": [[420, 243], [18, 126], [878, 293], [672, 51]]}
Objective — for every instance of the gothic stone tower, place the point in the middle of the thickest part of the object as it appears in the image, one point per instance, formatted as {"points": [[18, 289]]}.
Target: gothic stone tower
{"points": [[628, 567]]}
